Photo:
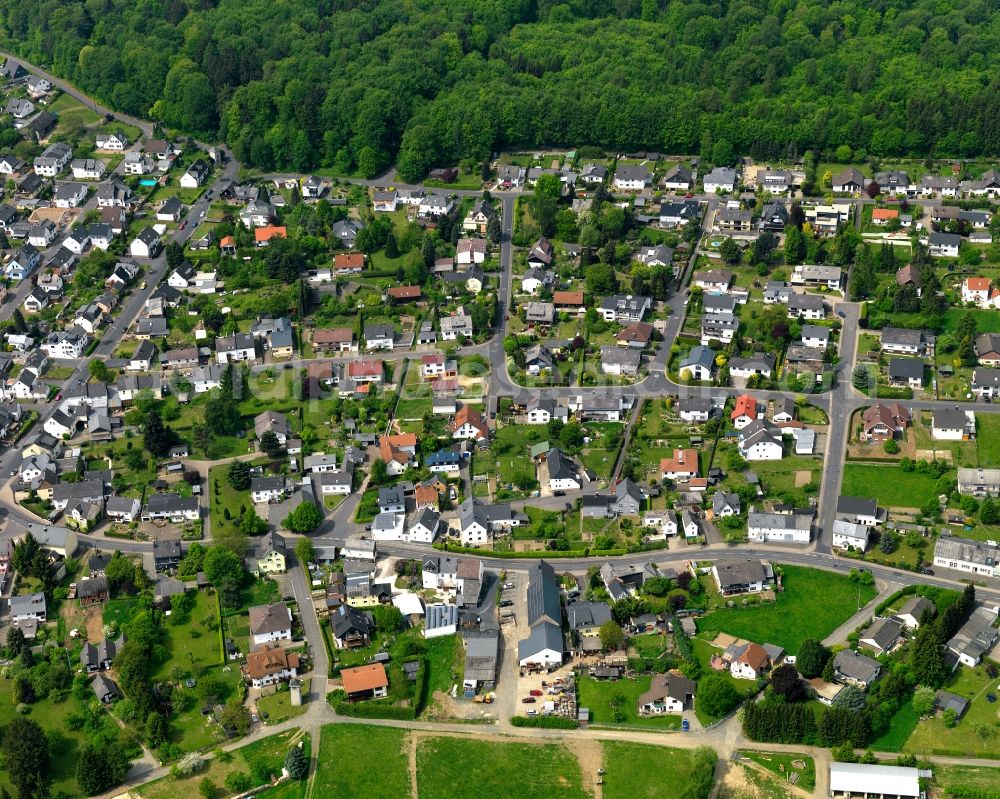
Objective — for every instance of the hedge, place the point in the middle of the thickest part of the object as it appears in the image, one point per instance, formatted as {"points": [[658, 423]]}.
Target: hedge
{"points": [[371, 709], [548, 722]]}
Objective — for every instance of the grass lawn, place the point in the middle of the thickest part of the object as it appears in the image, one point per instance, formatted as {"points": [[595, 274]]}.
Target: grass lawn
{"points": [[890, 485], [227, 498], [639, 771], [377, 758], [466, 768], [599, 696], [986, 321], [260, 758], [783, 764], [812, 605], [903, 723], [193, 637], [932, 736], [975, 780], [279, 707], [51, 716], [988, 440]]}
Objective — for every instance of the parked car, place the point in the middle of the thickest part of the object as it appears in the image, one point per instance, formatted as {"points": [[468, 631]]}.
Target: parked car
{"points": [[532, 712], [535, 692], [506, 603], [528, 700], [508, 586]]}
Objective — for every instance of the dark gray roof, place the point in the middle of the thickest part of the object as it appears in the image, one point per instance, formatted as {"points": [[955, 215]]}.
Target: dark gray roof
{"points": [[543, 594], [855, 666], [543, 636]]}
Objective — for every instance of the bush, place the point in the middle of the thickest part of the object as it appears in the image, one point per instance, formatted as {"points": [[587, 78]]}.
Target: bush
{"points": [[547, 722], [238, 782]]}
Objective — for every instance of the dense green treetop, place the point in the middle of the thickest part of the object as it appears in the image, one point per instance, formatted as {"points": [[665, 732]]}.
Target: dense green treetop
{"points": [[357, 84]]}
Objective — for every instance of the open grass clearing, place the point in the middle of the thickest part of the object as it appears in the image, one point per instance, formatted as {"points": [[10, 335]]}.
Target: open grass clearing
{"points": [[889, 485], [813, 604], [467, 768], [639, 771], [362, 762]]}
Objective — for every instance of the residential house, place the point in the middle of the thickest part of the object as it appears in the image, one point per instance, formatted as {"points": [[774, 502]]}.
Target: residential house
{"points": [[882, 636], [700, 363], [624, 308], [913, 610], [979, 482], [906, 372], [905, 341], [171, 507], [953, 424], [365, 682], [759, 363], [759, 441], [987, 349], [882, 421], [986, 382], [850, 535], [975, 638], [752, 662], [720, 179], [617, 361], [861, 510], [270, 623], [944, 245], [787, 528], [851, 668], [741, 575], [270, 664], [469, 424], [563, 473], [682, 466], [236, 348]]}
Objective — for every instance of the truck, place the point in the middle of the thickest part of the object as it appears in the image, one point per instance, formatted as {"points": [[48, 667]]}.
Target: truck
{"points": [[484, 699]]}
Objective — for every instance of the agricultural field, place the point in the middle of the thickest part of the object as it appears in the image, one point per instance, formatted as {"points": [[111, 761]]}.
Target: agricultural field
{"points": [[812, 605]]}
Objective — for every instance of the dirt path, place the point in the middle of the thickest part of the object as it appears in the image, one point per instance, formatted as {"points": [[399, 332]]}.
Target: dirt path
{"points": [[413, 737], [590, 755]]}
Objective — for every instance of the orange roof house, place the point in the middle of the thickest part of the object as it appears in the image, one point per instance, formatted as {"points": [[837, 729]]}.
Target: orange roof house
{"points": [[364, 370], [426, 496], [227, 243], [570, 298], [363, 682], [263, 235], [754, 656], [683, 465], [349, 262], [404, 292], [271, 663], [468, 423], [746, 407]]}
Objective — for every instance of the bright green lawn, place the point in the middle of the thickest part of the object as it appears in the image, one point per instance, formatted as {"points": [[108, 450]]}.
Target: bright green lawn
{"points": [[988, 439], [638, 771], [813, 604], [932, 736], [890, 485], [900, 728], [598, 695], [279, 707], [969, 778], [377, 759], [466, 768]]}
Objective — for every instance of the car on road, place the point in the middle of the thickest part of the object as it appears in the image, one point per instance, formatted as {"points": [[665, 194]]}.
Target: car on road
{"points": [[183, 225], [841, 314], [558, 493], [927, 571], [528, 700]]}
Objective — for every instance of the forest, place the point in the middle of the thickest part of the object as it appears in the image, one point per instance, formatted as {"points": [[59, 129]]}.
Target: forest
{"points": [[356, 85]]}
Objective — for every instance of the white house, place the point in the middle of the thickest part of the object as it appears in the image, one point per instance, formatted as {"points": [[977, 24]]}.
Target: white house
{"points": [[720, 179], [760, 442], [563, 474], [785, 528], [953, 424], [750, 663], [270, 623], [850, 535]]}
